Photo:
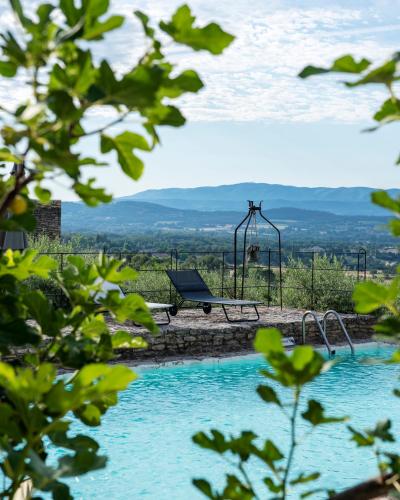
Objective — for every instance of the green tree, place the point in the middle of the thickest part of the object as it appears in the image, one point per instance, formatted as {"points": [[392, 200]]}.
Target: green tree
{"points": [[51, 52], [328, 286]]}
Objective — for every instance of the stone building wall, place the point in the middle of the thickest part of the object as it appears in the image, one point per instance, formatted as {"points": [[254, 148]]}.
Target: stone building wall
{"points": [[231, 339], [48, 219]]}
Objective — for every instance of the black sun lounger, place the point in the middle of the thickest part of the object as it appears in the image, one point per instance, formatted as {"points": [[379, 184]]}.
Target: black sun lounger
{"points": [[153, 306], [191, 287]]}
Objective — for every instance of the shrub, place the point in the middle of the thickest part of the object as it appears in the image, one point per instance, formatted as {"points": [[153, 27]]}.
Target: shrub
{"points": [[329, 286]]}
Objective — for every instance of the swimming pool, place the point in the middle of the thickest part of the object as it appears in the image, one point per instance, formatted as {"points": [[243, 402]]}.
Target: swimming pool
{"points": [[148, 436]]}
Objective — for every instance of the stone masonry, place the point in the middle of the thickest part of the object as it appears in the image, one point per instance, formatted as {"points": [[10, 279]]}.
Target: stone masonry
{"points": [[48, 219], [192, 334]]}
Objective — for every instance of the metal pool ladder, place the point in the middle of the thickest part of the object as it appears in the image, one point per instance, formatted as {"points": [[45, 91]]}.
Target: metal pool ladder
{"points": [[322, 327]]}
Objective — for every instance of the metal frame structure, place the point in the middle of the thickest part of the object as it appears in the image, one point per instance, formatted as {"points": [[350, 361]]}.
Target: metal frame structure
{"points": [[252, 215]]}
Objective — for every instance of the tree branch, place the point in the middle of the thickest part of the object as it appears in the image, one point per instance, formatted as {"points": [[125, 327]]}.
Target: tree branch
{"points": [[368, 490], [102, 129], [20, 183]]}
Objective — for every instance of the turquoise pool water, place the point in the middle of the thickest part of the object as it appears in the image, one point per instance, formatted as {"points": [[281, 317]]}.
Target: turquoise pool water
{"points": [[148, 436]]}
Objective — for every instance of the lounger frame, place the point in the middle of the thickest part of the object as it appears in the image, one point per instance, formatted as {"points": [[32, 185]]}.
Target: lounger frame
{"points": [[197, 291]]}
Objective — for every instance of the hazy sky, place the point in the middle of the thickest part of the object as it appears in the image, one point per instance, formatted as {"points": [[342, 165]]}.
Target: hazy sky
{"points": [[256, 121]]}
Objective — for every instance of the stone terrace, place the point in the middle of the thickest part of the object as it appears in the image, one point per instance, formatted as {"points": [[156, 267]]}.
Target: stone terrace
{"points": [[193, 334]]}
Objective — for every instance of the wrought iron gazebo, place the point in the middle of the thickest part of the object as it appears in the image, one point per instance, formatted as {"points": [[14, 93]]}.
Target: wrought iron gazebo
{"points": [[250, 253]]}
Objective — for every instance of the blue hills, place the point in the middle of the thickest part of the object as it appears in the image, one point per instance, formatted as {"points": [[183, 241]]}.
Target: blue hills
{"points": [[340, 201]]}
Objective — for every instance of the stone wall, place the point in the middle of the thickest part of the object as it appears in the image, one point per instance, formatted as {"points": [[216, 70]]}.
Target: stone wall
{"points": [[48, 219], [238, 338]]}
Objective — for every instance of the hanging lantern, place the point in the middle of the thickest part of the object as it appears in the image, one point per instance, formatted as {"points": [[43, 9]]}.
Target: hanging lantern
{"points": [[252, 253], [253, 250]]}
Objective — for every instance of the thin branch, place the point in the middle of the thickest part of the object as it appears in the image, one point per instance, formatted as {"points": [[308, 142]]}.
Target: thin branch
{"points": [[293, 442], [247, 479], [102, 129], [5, 110]]}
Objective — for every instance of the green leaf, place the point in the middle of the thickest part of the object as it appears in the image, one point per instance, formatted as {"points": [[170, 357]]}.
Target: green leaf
{"points": [[205, 487], [8, 69], [389, 326], [144, 19], [181, 28], [82, 462], [71, 13], [23, 266], [165, 115], [394, 225], [382, 431], [44, 195], [383, 199], [187, 81], [270, 452], [122, 339], [17, 8], [345, 64], [124, 144], [90, 195], [383, 74], [268, 394], [89, 414], [361, 439], [18, 333], [62, 105], [272, 486], [98, 29], [389, 111], [6, 155], [215, 442], [42, 311], [107, 378], [305, 478], [301, 356], [316, 416], [369, 296], [268, 341]]}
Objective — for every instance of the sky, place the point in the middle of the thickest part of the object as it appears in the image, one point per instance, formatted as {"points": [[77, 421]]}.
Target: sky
{"points": [[255, 120]]}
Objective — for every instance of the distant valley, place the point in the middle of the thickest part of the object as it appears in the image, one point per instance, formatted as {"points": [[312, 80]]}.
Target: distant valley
{"points": [[126, 218], [340, 201]]}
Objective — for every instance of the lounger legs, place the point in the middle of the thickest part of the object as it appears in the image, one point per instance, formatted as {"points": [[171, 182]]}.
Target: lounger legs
{"points": [[168, 320], [241, 320]]}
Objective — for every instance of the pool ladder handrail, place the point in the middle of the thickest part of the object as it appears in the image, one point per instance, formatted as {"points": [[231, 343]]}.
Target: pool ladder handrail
{"points": [[320, 328], [332, 312]]}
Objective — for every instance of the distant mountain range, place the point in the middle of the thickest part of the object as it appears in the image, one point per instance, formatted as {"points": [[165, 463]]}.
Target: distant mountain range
{"points": [[340, 201], [130, 216]]}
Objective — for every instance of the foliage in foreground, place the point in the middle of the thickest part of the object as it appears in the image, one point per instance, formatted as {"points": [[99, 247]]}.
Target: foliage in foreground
{"points": [[293, 372], [50, 52], [304, 365], [34, 401]]}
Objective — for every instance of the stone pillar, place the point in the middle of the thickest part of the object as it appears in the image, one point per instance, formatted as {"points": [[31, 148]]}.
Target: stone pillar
{"points": [[48, 219]]}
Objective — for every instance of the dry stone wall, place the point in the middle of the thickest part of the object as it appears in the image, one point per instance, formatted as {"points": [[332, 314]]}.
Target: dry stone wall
{"points": [[226, 339]]}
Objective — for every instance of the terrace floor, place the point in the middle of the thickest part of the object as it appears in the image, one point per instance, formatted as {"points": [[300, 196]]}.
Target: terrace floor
{"points": [[195, 319]]}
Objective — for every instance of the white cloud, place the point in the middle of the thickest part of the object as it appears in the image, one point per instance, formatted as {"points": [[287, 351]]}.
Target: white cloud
{"points": [[256, 78]]}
